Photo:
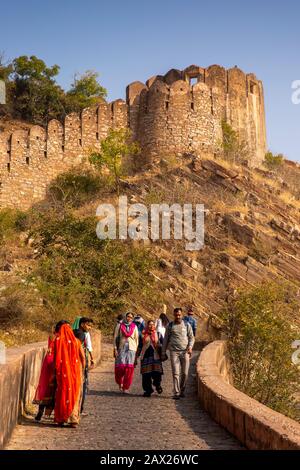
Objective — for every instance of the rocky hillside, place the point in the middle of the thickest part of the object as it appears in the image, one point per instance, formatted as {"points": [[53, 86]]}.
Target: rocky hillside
{"points": [[252, 233]]}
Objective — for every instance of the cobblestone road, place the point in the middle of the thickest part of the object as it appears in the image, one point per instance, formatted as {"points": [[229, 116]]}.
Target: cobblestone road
{"points": [[116, 421]]}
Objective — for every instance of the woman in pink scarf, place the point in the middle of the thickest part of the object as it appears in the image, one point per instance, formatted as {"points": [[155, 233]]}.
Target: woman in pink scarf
{"points": [[126, 339]]}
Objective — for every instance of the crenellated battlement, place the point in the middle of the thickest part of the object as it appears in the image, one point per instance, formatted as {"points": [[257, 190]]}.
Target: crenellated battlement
{"points": [[30, 159], [182, 111], [175, 113]]}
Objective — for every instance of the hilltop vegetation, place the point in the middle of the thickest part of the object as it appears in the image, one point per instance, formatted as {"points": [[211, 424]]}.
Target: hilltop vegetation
{"points": [[33, 94]]}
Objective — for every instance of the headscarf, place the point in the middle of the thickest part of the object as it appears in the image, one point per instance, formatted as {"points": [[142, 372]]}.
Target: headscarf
{"points": [[150, 335], [127, 328], [75, 325], [68, 373]]}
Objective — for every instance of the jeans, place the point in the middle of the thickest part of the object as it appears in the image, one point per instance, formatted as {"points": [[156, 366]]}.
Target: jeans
{"points": [[180, 362]]}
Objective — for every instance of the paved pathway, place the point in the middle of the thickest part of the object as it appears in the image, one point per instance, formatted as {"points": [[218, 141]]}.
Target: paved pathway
{"points": [[116, 421]]}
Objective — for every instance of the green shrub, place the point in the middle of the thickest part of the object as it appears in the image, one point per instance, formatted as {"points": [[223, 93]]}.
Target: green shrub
{"points": [[11, 222], [260, 337], [76, 187], [77, 272], [114, 149], [19, 305], [234, 150], [272, 161]]}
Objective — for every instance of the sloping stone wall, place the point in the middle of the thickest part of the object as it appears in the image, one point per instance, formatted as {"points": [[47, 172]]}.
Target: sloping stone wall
{"points": [[19, 378], [255, 425]]}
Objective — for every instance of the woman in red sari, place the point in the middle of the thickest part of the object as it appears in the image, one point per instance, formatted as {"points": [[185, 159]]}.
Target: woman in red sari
{"points": [[69, 362]]}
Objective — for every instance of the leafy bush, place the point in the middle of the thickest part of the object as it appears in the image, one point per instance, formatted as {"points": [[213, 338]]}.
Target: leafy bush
{"points": [[260, 337], [234, 150], [114, 149], [77, 272], [76, 187], [273, 162], [19, 304], [11, 221]]}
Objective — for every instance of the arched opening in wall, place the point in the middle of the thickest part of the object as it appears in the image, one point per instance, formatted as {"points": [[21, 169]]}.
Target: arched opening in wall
{"points": [[27, 160], [193, 81]]}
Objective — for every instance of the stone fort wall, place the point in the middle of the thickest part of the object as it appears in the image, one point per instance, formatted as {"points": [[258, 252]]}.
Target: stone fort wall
{"points": [[176, 113], [182, 111]]}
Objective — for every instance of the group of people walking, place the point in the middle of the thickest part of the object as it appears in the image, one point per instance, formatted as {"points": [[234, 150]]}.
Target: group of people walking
{"points": [[133, 340], [63, 380]]}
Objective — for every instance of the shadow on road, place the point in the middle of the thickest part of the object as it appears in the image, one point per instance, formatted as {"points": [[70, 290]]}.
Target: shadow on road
{"points": [[198, 419]]}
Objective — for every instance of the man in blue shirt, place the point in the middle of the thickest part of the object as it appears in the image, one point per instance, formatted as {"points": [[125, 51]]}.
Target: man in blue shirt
{"points": [[189, 319]]}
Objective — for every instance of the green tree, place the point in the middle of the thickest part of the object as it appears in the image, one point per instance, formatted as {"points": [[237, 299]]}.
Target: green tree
{"points": [[5, 67], [37, 97], [114, 148], [259, 331], [85, 91], [33, 93]]}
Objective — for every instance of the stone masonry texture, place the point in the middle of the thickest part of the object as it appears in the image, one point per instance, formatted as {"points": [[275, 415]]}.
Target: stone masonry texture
{"points": [[180, 112]]}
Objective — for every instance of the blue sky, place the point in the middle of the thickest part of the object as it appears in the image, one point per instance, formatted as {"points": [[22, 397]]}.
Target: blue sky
{"points": [[132, 40]]}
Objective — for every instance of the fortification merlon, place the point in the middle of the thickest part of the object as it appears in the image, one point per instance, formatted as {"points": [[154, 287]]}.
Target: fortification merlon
{"points": [[133, 92], [153, 79], [119, 114], [30, 159]]}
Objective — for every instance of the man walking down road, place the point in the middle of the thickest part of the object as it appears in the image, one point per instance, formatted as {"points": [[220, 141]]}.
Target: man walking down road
{"points": [[179, 340]]}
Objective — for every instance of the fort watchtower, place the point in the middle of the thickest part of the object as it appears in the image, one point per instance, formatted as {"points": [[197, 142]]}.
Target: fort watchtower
{"points": [[179, 112], [182, 111]]}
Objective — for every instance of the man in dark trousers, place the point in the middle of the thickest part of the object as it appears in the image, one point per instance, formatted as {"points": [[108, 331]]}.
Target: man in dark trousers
{"points": [[83, 334]]}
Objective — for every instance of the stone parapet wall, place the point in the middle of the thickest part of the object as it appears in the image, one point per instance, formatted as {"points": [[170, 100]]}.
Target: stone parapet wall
{"points": [[171, 115], [31, 159], [19, 378], [253, 424]]}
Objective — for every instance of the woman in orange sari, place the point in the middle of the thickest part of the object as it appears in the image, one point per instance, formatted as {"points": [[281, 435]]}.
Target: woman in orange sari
{"points": [[69, 363]]}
